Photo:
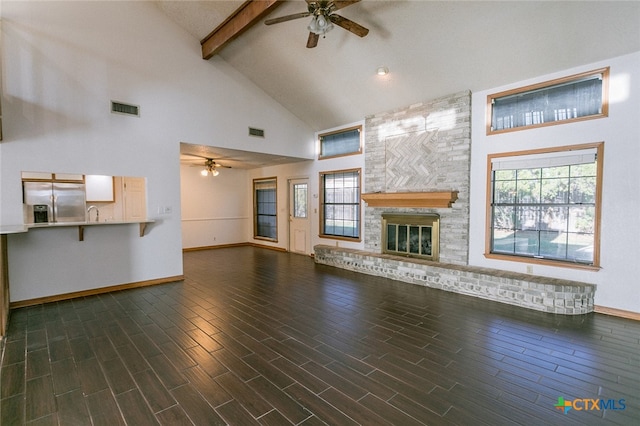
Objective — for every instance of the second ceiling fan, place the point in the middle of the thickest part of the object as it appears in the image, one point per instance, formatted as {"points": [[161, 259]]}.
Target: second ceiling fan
{"points": [[210, 166], [323, 19]]}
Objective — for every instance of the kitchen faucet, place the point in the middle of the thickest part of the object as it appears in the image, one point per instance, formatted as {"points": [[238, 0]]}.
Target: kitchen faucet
{"points": [[97, 213]]}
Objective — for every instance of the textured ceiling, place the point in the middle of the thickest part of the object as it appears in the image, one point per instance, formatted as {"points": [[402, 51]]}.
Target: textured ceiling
{"points": [[432, 48], [199, 18], [237, 159]]}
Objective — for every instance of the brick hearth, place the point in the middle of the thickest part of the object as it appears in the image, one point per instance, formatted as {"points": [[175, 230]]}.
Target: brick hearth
{"points": [[528, 291]]}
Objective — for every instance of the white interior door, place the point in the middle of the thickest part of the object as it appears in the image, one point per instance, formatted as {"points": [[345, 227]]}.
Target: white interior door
{"points": [[299, 222]]}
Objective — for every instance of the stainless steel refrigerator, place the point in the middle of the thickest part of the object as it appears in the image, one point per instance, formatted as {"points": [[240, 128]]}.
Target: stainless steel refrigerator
{"points": [[54, 202]]}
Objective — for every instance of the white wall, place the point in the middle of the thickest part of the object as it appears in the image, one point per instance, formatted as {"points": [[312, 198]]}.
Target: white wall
{"points": [[62, 64], [617, 280], [214, 209]]}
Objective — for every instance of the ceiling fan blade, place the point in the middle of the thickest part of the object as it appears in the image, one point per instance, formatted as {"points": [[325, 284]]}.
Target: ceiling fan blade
{"points": [[345, 3], [313, 40], [349, 25], [196, 157], [287, 18]]}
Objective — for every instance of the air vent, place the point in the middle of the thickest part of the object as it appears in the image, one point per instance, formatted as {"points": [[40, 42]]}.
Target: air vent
{"points": [[256, 132], [120, 108]]}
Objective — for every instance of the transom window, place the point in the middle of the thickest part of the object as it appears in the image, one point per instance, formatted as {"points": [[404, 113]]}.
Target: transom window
{"points": [[342, 142], [265, 209], [340, 204], [577, 97], [545, 205]]}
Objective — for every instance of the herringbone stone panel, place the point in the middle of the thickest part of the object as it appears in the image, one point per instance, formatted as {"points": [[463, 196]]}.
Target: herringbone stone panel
{"points": [[411, 162]]}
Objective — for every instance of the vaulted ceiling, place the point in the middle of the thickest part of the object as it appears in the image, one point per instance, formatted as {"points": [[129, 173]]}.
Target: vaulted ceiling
{"points": [[432, 49]]}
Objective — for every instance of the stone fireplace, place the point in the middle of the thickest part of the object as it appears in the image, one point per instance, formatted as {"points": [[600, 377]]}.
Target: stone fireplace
{"points": [[417, 162]]}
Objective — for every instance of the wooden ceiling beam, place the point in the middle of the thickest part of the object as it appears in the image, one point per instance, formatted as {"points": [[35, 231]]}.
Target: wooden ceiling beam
{"points": [[241, 20]]}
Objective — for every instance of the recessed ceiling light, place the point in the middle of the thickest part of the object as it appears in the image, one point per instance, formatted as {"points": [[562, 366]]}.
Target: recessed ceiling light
{"points": [[382, 71]]}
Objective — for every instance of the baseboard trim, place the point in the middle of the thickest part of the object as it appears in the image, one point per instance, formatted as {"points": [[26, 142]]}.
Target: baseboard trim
{"points": [[268, 247], [92, 292], [617, 312], [184, 250], [201, 248]]}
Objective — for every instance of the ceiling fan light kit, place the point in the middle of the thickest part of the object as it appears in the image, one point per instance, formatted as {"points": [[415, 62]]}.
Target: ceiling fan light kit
{"points": [[213, 171], [320, 25], [210, 166]]}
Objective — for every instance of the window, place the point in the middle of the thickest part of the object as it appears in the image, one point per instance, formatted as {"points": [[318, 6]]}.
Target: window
{"points": [[300, 200], [340, 204], [342, 142], [545, 205], [578, 97], [265, 209]]}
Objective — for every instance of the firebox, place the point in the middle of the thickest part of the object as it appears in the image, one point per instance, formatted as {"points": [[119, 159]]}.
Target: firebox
{"points": [[411, 235]]}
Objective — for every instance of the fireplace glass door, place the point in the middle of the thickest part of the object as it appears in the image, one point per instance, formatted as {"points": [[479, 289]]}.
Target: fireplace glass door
{"points": [[411, 235]]}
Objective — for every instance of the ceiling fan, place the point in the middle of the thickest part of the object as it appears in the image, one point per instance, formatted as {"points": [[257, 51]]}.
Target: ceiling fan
{"points": [[323, 19], [209, 166]]}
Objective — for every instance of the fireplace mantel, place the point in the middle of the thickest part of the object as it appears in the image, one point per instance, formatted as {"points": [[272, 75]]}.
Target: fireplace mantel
{"points": [[411, 199]]}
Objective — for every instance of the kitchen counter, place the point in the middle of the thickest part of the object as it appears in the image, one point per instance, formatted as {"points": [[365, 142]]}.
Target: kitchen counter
{"points": [[13, 229], [81, 225], [85, 223]]}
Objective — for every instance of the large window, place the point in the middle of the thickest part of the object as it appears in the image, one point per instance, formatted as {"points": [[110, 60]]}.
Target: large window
{"points": [[545, 205], [265, 209], [340, 204], [341, 142], [577, 97]]}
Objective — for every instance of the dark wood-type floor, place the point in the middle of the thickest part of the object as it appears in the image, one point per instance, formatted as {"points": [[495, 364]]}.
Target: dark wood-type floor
{"points": [[254, 336]]}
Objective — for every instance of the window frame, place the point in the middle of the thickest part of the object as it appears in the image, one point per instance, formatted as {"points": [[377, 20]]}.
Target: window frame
{"points": [[322, 203], [595, 265], [256, 215], [335, 132], [604, 72]]}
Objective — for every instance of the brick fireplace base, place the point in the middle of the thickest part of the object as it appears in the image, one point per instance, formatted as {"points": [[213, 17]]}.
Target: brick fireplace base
{"points": [[528, 291]]}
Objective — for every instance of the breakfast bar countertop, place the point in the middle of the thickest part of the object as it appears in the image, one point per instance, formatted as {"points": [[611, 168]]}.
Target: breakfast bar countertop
{"points": [[13, 229], [85, 223]]}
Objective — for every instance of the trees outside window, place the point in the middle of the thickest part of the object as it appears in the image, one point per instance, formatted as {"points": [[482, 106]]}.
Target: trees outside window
{"points": [[340, 204], [546, 205]]}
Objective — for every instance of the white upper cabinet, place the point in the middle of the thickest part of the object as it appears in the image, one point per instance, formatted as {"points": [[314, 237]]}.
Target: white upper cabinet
{"points": [[99, 188]]}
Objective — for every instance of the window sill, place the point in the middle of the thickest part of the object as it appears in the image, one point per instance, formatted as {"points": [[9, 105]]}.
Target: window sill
{"points": [[337, 237], [273, 240], [538, 261]]}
